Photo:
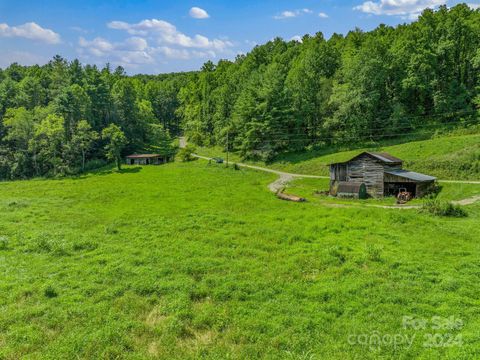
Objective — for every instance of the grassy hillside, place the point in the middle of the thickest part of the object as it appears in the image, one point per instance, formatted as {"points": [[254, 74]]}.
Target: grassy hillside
{"points": [[197, 261], [447, 157]]}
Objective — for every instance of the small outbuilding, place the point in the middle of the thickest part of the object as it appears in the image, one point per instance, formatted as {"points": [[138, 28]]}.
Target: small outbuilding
{"points": [[381, 174], [148, 159], [350, 189]]}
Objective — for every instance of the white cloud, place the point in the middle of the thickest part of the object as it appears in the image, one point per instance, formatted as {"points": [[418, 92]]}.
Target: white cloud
{"points": [[151, 42], [404, 8], [30, 31], [323, 15], [135, 51], [198, 13], [183, 54], [285, 15], [292, 13], [167, 34], [132, 51], [134, 44], [296, 38], [98, 46], [474, 6], [171, 53]]}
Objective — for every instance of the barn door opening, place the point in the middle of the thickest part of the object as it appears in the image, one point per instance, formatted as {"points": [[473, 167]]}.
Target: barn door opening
{"points": [[393, 189]]}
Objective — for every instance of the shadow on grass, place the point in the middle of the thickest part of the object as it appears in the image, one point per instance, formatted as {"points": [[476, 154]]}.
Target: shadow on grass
{"points": [[107, 170], [133, 170]]}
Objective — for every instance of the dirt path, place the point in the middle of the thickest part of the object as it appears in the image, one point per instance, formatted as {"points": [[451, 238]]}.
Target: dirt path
{"points": [[460, 182], [284, 178], [282, 181], [182, 142], [283, 175], [469, 201]]}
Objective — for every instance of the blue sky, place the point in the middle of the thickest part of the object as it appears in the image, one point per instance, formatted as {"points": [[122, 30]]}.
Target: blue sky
{"points": [[156, 36]]}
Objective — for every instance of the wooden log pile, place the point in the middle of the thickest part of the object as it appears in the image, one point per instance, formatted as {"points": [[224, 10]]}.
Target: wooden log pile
{"points": [[282, 196]]}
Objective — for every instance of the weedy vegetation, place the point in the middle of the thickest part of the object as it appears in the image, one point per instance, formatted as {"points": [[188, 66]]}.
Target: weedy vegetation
{"points": [[191, 260], [443, 208]]}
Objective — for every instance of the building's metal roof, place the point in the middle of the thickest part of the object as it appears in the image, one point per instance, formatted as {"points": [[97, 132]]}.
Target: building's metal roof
{"points": [[411, 175], [143, 156], [383, 157]]}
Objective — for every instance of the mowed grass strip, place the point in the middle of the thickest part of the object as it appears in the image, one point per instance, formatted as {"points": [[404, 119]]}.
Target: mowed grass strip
{"points": [[198, 261]]}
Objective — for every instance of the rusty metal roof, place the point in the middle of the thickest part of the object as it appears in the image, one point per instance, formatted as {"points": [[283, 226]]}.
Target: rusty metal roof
{"points": [[411, 175], [143, 156]]}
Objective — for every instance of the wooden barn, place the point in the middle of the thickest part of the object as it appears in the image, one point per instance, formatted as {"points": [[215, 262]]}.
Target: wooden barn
{"points": [[148, 159], [381, 173]]}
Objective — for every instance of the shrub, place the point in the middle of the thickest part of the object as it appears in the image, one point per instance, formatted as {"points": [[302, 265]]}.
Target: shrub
{"points": [[186, 153], [50, 292], [443, 208]]}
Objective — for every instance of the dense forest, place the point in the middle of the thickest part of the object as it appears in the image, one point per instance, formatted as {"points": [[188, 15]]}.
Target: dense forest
{"points": [[63, 117], [286, 96]]}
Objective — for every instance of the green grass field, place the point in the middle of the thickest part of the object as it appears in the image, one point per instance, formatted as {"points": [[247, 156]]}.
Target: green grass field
{"points": [[189, 261]]}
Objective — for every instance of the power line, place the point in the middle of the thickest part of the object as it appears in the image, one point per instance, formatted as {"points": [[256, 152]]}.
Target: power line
{"points": [[397, 128], [369, 137], [303, 136], [406, 126]]}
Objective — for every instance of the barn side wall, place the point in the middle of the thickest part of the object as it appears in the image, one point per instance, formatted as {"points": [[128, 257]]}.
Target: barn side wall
{"points": [[369, 171]]}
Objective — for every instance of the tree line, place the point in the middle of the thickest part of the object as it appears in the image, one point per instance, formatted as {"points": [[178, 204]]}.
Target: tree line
{"points": [[291, 96], [64, 117]]}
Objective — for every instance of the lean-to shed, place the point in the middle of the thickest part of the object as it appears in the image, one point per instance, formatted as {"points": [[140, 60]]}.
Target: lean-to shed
{"points": [[148, 159]]}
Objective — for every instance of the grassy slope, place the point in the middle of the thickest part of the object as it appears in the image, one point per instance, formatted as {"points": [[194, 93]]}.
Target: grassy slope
{"points": [[189, 261], [448, 157]]}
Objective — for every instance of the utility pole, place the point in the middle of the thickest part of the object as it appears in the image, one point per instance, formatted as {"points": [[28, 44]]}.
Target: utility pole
{"points": [[228, 147]]}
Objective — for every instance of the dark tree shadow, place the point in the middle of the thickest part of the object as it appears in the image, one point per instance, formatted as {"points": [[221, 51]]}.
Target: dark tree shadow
{"points": [[104, 171], [134, 170]]}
